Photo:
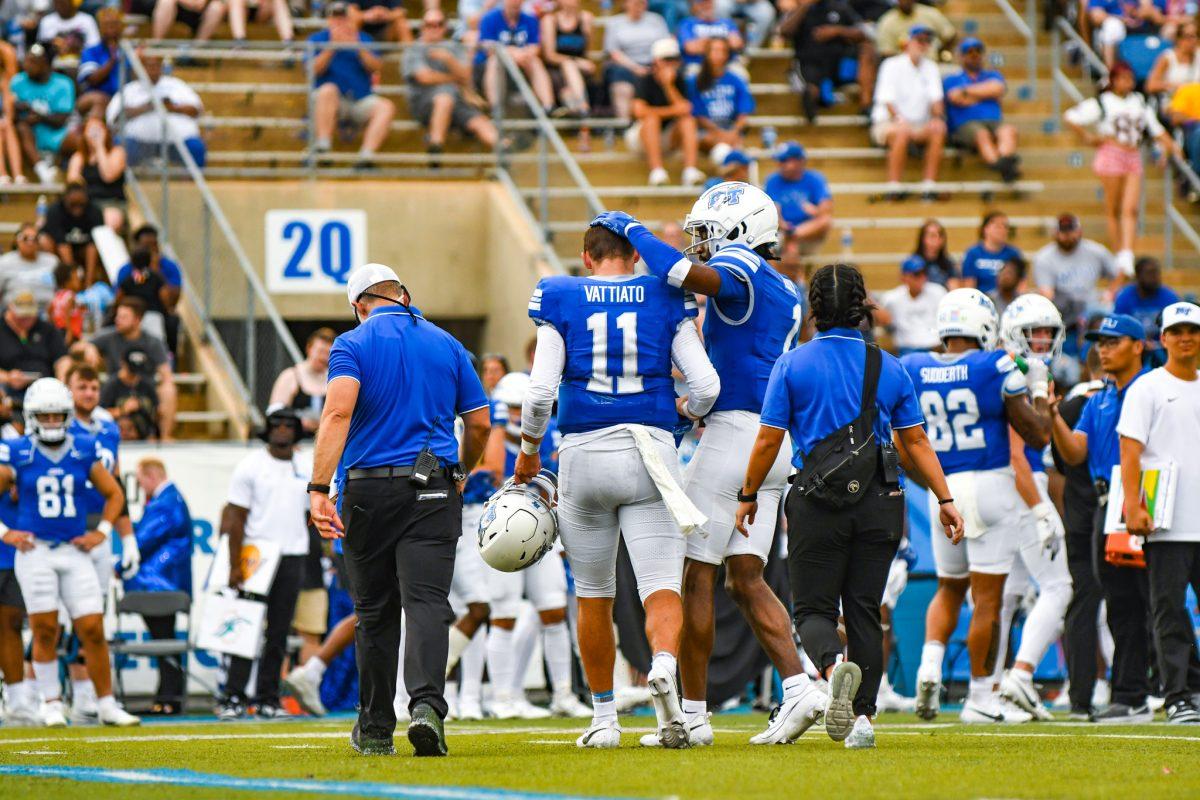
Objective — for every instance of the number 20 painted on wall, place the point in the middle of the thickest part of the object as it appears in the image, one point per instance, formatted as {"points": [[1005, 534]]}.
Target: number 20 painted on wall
{"points": [[311, 251], [335, 264]]}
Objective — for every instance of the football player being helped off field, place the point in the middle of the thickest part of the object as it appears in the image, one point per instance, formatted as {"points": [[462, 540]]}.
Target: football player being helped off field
{"points": [[970, 395], [610, 340], [753, 317], [50, 466]]}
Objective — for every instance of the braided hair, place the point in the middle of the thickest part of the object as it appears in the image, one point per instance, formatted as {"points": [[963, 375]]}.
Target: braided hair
{"points": [[837, 296]]}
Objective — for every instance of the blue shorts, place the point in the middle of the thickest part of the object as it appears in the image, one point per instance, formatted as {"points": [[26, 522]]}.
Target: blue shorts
{"points": [[49, 139]]}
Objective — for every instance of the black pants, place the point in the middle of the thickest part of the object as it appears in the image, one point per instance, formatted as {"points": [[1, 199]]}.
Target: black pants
{"points": [[844, 555], [1172, 567], [281, 608], [170, 673], [1127, 605], [399, 553], [1083, 615]]}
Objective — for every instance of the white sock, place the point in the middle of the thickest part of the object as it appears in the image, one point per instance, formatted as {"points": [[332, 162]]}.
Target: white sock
{"points": [[604, 707], [458, 643], [793, 686], [1008, 608], [45, 675], [318, 666], [471, 670], [524, 641], [107, 703], [932, 655], [666, 661], [694, 708], [500, 658], [82, 690], [885, 683], [20, 694], [556, 641], [979, 690], [1044, 624]]}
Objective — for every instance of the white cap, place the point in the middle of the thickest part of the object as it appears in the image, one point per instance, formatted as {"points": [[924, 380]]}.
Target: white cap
{"points": [[665, 48], [365, 277], [1179, 314]]}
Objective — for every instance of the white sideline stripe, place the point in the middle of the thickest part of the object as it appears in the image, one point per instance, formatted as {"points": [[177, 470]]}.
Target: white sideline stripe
{"points": [[187, 737]]}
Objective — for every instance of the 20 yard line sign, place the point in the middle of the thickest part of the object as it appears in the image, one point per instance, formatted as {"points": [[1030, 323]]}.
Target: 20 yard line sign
{"points": [[313, 251]]}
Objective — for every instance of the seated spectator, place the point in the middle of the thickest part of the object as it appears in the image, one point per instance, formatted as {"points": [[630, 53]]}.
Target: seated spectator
{"points": [[84, 352], [302, 387], [345, 90], [99, 164], [566, 34], [1176, 66], [10, 147], [63, 312], [909, 311], [67, 232], [721, 100], [509, 27], [147, 237], [276, 11], [1146, 297], [129, 395], [982, 262], [42, 104], [1177, 14], [1113, 20], [628, 39], [664, 115], [824, 33], [439, 82], [99, 72], [932, 243], [143, 131], [203, 17], [384, 20], [139, 279], [1069, 269], [68, 31], [732, 165], [805, 204], [126, 335], [894, 27], [1010, 283], [973, 113], [30, 347], [27, 268], [758, 14], [696, 31], [909, 110]]}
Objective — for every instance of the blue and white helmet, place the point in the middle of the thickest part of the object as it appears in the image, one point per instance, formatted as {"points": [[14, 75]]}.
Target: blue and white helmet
{"points": [[728, 213], [511, 389], [1026, 314], [971, 314], [48, 397], [519, 524]]}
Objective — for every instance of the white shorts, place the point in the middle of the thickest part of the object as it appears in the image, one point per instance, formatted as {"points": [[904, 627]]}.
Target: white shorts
{"points": [[989, 503], [544, 585], [713, 478], [53, 575], [102, 560], [897, 580], [470, 583], [604, 493], [1033, 562]]}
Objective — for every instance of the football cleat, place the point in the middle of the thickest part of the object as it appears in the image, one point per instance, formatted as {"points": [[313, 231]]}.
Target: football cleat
{"points": [[993, 711], [603, 734], [115, 716], [839, 713], [630, 697], [303, 685], [83, 714], [229, 710], [672, 724], [53, 716], [790, 719], [1121, 714], [22, 716], [862, 735], [889, 700], [1017, 687], [470, 710], [566, 704], [527, 710], [699, 731], [929, 694]]}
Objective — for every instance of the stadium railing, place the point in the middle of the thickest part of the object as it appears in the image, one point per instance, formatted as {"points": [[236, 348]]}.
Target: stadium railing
{"points": [[1027, 27]]}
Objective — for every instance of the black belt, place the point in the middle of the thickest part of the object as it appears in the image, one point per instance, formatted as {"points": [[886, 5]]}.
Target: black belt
{"points": [[396, 472]]}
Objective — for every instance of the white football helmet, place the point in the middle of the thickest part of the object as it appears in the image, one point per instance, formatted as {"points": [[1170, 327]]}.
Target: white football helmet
{"points": [[519, 524], [1028, 313], [971, 314], [731, 212], [46, 397], [511, 389]]}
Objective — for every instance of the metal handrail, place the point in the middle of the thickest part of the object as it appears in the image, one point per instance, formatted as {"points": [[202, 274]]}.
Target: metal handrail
{"points": [[1089, 54], [1026, 30]]}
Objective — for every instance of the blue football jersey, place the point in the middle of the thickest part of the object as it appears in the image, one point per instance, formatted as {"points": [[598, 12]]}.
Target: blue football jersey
{"points": [[1036, 458], [108, 437], [8, 515], [512, 439], [51, 484], [744, 345], [962, 397], [618, 335]]}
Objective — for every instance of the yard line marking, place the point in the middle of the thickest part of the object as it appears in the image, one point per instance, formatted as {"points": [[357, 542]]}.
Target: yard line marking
{"points": [[187, 737], [41, 752], [296, 747]]}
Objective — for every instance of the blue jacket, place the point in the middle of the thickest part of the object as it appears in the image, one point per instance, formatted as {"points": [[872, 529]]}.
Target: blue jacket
{"points": [[164, 536]]}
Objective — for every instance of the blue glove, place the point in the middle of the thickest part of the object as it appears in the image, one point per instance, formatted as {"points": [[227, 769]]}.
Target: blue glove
{"points": [[909, 554], [481, 485], [683, 426], [616, 221]]}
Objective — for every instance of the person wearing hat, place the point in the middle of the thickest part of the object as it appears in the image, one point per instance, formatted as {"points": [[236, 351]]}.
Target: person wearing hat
{"points": [[735, 165], [895, 26], [973, 112], [1094, 440], [1160, 426], [804, 202], [910, 310], [1068, 270], [664, 116], [396, 384], [30, 347]]}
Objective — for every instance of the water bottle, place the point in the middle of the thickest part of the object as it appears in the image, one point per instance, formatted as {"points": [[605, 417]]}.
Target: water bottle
{"points": [[168, 66], [847, 241], [769, 137], [40, 212], [606, 7]]}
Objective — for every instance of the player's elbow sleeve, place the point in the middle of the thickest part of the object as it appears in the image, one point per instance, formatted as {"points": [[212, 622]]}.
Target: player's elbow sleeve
{"points": [[703, 393]]}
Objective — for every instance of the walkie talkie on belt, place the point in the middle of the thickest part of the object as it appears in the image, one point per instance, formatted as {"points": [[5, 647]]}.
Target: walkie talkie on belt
{"points": [[426, 463]]}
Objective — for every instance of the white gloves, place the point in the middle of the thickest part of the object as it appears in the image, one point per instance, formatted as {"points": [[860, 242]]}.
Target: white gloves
{"points": [[1049, 527], [1037, 378], [131, 557]]}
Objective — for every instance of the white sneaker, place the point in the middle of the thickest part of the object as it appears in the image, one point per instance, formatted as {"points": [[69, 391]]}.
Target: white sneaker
{"points": [[699, 731], [993, 711], [1156, 703], [1017, 687], [470, 710], [672, 724], [631, 697], [83, 709], [527, 710], [890, 701], [659, 176], [862, 735], [566, 704], [929, 694], [45, 171], [692, 176], [602, 734], [504, 707], [793, 717], [1014, 714], [1063, 701], [22, 716], [303, 685], [52, 715], [839, 713], [117, 717]]}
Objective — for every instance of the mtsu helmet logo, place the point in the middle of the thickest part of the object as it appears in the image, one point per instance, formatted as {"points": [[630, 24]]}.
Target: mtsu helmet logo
{"points": [[721, 196]]}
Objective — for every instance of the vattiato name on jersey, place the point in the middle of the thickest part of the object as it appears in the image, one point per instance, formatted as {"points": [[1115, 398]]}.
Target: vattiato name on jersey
{"points": [[108, 439], [962, 397], [618, 334], [51, 483]]}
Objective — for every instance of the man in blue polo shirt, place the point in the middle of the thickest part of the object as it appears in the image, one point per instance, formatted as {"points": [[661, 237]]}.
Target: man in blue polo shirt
{"points": [[396, 384], [805, 204], [704, 24], [1095, 440], [509, 27], [973, 112]]}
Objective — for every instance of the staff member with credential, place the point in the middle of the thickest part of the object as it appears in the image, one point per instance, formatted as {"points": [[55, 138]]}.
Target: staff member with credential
{"points": [[396, 384], [841, 398]]}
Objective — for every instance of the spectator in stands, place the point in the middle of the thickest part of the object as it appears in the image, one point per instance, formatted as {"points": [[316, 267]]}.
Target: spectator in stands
{"points": [[1010, 283], [1183, 112], [909, 311], [302, 387], [805, 204], [1068, 269], [126, 335], [732, 165], [973, 113], [932, 245], [42, 104], [721, 100], [30, 347], [384, 20], [759, 16], [493, 367], [63, 311], [566, 34], [142, 281], [704, 24], [824, 33], [68, 230], [164, 537], [27, 268], [1116, 123], [68, 31], [982, 262], [628, 39], [1146, 297], [99, 164], [130, 396], [99, 72], [1176, 66], [84, 352], [439, 81], [509, 27], [10, 147], [147, 237], [896, 25], [276, 11], [143, 131], [664, 115], [909, 110], [1115, 19], [203, 17]]}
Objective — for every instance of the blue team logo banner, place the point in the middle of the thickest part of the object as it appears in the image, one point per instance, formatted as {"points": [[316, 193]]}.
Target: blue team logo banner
{"points": [[312, 252]]}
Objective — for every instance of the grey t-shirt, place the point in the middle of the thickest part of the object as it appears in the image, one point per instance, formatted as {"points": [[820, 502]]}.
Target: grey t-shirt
{"points": [[18, 275], [416, 58], [113, 346], [1073, 276], [635, 39]]}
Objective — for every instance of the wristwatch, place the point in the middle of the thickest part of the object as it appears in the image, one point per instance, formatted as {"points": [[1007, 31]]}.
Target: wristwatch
{"points": [[747, 498], [323, 488]]}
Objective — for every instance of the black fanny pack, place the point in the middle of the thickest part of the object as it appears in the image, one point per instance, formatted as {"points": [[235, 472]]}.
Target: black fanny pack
{"points": [[840, 467]]}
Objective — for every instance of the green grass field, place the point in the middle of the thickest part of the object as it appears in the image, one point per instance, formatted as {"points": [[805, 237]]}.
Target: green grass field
{"points": [[511, 760]]}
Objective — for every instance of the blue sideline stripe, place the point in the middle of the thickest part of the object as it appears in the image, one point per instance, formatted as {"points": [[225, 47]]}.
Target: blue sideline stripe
{"points": [[186, 777]]}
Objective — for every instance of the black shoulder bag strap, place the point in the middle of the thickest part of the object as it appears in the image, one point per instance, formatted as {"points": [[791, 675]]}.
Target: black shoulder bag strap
{"points": [[871, 370]]}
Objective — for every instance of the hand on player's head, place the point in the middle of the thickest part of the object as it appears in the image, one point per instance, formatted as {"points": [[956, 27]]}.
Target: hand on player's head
{"points": [[616, 221]]}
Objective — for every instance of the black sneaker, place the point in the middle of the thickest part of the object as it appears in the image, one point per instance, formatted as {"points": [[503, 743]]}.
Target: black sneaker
{"points": [[1183, 712], [1121, 714], [370, 747], [229, 710], [1080, 714], [426, 733], [272, 711]]}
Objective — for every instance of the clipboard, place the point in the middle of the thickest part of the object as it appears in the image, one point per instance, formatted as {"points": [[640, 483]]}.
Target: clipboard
{"points": [[260, 560]]}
